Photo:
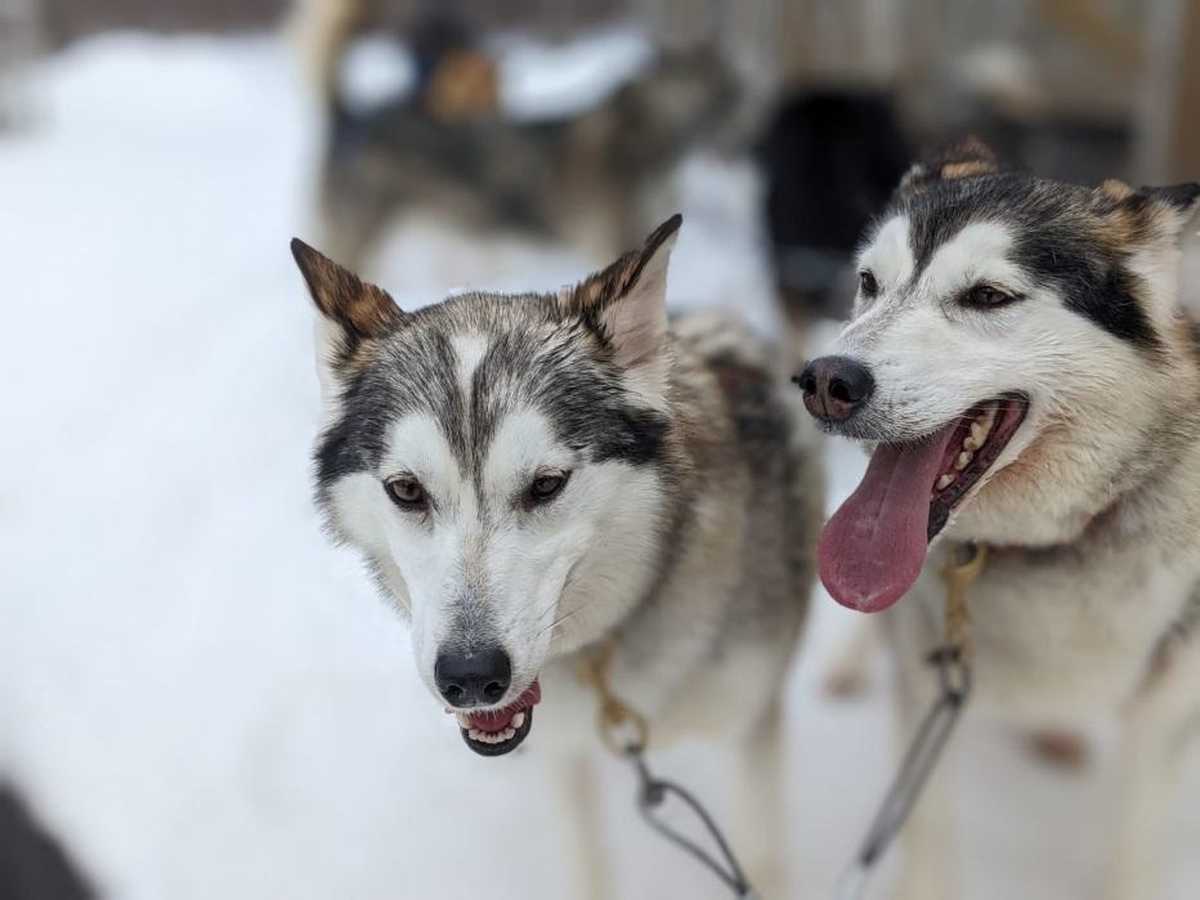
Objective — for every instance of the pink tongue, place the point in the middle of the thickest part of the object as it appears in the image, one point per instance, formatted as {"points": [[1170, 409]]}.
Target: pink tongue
{"points": [[873, 548], [500, 719]]}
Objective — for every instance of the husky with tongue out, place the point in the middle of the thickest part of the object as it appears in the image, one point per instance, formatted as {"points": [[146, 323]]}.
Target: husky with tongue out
{"points": [[1022, 371], [536, 477]]}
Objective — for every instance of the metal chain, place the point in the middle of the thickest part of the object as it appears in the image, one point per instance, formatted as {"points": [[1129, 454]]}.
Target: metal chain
{"points": [[626, 733], [953, 662], [653, 792]]}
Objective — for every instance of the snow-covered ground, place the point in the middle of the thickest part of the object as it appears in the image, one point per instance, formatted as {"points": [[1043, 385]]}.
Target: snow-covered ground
{"points": [[196, 692]]}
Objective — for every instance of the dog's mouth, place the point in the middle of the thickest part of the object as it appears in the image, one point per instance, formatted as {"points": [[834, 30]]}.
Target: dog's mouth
{"points": [[873, 549], [494, 732]]}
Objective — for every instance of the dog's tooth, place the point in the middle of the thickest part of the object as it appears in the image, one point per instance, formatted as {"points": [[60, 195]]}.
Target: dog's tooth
{"points": [[978, 435], [963, 459], [464, 721], [945, 481], [507, 734], [475, 734], [518, 720]]}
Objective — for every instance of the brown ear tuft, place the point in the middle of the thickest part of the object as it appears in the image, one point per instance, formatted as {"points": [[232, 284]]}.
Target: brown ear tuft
{"points": [[1116, 189], [620, 278], [966, 159], [626, 303], [360, 308]]}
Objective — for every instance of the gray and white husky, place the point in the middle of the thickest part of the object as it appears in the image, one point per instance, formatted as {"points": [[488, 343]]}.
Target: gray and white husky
{"points": [[529, 477], [1020, 364]]}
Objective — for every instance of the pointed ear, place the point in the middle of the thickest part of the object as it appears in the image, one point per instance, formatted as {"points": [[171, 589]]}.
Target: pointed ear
{"points": [[358, 309], [965, 159], [1145, 217], [627, 302], [1177, 204]]}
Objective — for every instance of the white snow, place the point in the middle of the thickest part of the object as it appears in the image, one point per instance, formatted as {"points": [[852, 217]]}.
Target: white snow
{"points": [[198, 693]]}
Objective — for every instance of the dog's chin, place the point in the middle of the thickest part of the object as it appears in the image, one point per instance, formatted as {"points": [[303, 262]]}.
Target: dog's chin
{"points": [[495, 732]]}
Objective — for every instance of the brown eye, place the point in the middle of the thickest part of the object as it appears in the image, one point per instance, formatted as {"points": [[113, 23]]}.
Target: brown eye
{"points": [[407, 493], [545, 488], [867, 283], [985, 296]]}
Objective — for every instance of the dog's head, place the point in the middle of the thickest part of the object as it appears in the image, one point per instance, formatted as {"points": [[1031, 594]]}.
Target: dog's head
{"points": [[501, 463], [1011, 348]]}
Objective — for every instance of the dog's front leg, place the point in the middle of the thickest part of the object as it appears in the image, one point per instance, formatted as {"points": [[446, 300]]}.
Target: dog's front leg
{"points": [[850, 673], [929, 870], [760, 837], [1156, 732], [591, 875]]}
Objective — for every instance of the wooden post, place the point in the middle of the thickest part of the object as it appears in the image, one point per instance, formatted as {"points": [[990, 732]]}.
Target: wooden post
{"points": [[1169, 133], [1183, 145]]}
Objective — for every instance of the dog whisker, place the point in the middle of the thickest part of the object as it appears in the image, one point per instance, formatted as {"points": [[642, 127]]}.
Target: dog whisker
{"points": [[564, 618]]}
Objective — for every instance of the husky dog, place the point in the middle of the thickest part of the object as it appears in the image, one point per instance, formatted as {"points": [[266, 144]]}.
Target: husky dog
{"points": [[532, 477], [595, 178], [1020, 364]]}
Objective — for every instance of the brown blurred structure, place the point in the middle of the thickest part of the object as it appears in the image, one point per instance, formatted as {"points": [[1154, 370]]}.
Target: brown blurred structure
{"points": [[1169, 130]]}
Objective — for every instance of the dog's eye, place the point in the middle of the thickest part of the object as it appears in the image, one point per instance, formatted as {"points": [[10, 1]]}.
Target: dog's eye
{"points": [[867, 283], [546, 487], [986, 296], [408, 493]]}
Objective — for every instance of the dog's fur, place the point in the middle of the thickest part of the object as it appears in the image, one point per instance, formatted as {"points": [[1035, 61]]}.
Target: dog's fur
{"points": [[597, 179], [1089, 604], [684, 530]]}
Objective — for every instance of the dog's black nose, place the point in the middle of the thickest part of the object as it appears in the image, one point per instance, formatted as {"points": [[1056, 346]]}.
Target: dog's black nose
{"points": [[475, 678], [835, 387]]}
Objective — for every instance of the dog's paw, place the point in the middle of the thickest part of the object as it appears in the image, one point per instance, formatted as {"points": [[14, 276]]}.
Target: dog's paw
{"points": [[1064, 750], [846, 682], [768, 878], [926, 885]]}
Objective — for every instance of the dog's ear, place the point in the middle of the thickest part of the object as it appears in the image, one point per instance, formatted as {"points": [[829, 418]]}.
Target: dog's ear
{"points": [[965, 159], [627, 302], [1176, 205], [352, 311], [1144, 230], [360, 310], [1145, 217]]}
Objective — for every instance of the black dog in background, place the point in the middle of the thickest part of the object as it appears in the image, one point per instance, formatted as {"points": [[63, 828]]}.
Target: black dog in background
{"points": [[830, 160]]}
